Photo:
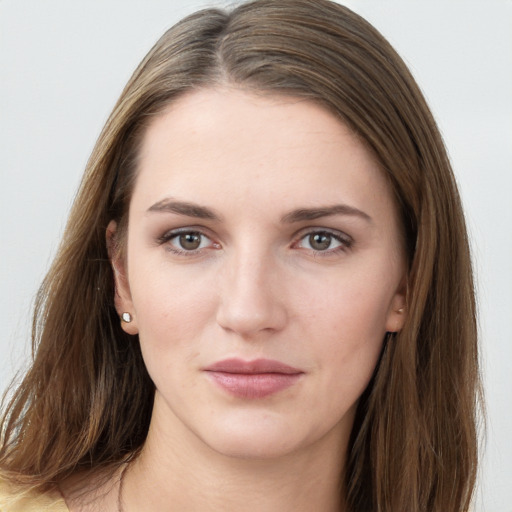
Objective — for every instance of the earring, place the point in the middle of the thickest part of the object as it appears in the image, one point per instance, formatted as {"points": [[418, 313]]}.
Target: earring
{"points": [[401, 310], [126, 317]]}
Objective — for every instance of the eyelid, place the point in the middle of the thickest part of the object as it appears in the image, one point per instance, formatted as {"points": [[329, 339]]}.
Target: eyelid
{"points": [[186, 229]]}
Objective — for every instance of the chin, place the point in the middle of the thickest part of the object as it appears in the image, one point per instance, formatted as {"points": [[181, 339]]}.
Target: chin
{"points": [[255, 438], [253, 447]]}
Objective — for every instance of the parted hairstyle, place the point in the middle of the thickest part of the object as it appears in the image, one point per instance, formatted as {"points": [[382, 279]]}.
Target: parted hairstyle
{"points": [[86, 400]]}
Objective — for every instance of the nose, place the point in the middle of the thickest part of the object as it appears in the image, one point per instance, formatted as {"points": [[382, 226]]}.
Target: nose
{"points": [[252, 300]]}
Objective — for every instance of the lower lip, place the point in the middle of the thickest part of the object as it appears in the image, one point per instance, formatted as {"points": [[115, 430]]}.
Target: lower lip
{"points": [[254, 385]]}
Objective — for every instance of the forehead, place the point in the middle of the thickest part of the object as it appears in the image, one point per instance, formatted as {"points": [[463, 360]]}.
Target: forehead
{"points": [[226, 144]]}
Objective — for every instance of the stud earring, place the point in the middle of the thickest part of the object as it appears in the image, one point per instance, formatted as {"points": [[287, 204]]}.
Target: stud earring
{"points": [[126, 317], [401, 310]]}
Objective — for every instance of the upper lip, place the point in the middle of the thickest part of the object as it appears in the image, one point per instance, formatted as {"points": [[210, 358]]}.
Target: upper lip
{"points": [[256, 366]]}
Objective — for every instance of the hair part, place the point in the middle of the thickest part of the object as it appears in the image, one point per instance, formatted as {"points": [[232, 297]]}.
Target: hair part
{"points": [[414, 442]]}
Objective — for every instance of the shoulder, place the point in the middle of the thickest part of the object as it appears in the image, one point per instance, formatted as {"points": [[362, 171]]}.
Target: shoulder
{"points": [[16, 499]]}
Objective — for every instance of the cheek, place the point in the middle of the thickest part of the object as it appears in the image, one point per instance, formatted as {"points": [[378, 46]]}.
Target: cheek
{"points": [[348, 327], [353, 307], [352, 341], [171, 309], [348, 362]]}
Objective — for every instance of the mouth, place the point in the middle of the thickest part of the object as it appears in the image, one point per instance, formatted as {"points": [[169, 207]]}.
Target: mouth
{"points": [[253, 379]]}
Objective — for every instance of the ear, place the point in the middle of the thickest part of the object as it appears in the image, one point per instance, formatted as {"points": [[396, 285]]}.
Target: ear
{"points": [[122, 295], [397, 313]]}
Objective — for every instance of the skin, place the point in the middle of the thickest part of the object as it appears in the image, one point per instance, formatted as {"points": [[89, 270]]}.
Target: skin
{"points": [[260, 285]]}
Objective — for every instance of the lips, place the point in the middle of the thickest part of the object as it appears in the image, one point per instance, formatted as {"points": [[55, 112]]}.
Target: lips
{"points": [[253, 379]]}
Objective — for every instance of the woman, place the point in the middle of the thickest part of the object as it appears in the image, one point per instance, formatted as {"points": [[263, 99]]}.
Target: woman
{"points": [[263, 299]]}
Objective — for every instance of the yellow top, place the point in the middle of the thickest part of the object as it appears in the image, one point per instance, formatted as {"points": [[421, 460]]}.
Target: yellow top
{"points": [[13, 499]]}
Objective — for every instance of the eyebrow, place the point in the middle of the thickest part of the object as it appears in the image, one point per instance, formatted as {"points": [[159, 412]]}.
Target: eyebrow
{"points": [[305, 214], [188, 209], [184, 208]]}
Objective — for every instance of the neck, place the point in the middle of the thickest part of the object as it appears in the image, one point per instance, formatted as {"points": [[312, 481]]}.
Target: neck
{"points": [[190, 475]]}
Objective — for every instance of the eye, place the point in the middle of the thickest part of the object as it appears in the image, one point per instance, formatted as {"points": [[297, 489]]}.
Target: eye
{"points": [[186, 241], [324, 241], [189, 241], [320, 241]]}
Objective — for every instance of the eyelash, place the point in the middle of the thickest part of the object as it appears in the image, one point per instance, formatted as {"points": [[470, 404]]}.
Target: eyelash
{"points": [[344, 240]]}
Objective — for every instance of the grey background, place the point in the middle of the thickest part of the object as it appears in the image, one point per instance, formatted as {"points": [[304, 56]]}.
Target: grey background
{"points": [[63, 64]]}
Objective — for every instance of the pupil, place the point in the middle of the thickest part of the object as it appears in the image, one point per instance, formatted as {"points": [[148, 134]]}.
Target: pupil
{"points": [[190, 241], [320, 241]]}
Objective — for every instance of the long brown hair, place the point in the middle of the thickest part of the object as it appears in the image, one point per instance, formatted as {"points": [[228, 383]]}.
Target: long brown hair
{"points": [[86, 400]]}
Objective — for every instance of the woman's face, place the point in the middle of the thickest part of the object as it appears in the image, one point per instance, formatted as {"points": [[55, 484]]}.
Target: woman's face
{"points": [[264, 265]]}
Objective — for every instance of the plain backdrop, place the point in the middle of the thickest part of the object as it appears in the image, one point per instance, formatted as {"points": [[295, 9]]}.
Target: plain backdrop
{"points": [[63, 64]]}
